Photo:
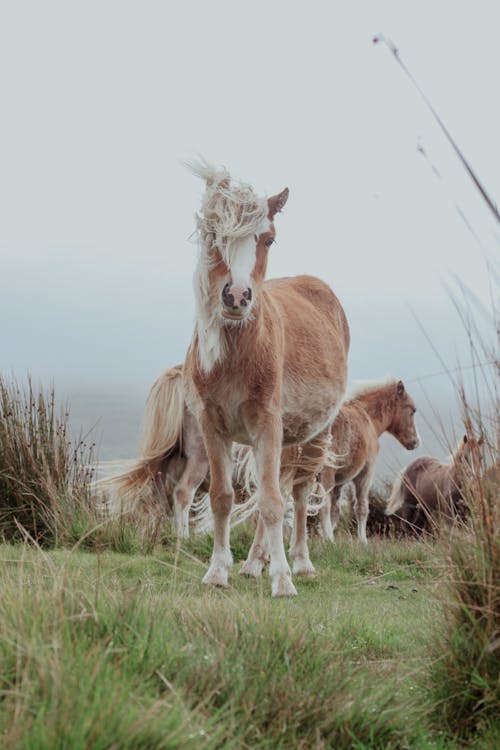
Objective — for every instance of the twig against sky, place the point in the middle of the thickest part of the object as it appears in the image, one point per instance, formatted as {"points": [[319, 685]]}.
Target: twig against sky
{"points": [[395, 52]]}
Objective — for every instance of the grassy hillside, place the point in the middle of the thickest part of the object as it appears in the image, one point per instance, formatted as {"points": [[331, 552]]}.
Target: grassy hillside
{"points": [[129, 651]]}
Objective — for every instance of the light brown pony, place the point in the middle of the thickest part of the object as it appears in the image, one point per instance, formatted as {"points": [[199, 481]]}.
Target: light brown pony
{"points": [[374, 408], [173, 462], [266, 367], [429, 491]]}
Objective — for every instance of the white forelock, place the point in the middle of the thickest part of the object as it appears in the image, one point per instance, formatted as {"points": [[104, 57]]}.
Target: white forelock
{"points": [[231, 214]]}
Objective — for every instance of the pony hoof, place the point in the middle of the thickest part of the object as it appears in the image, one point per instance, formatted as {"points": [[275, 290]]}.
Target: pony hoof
{"points": [[216, 577], [252, 569], [283, 586], [304, 568]]}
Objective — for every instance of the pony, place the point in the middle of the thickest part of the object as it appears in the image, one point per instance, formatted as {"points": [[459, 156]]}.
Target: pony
{"points": [[370, 410], [266, 367], [173, 462], [429, 491]]}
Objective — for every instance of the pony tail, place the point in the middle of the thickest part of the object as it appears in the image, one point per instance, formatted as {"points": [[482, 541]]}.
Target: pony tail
{"points": [[396, 499], [162, 433]]}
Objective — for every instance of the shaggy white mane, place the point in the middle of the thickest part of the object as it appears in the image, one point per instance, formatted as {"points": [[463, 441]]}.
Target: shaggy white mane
{"points": [[361, 387], [230, 212]]}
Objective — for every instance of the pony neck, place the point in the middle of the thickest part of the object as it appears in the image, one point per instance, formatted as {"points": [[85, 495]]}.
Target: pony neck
{"points": [[379, 405]]}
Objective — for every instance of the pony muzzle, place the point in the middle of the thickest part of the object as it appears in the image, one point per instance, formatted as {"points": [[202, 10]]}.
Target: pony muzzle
{"points": [[236, 301]]}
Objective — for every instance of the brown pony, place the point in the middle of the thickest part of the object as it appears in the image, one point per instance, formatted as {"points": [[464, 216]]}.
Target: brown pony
{"points": [[428, 490], [372, 409], [173, 462], [266, 367]]}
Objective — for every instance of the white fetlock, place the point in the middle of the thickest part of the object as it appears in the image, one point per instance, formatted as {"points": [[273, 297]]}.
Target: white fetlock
{"points": [[282, 585], [303, 567], [252, 568], [216, 576], [181, 523]]}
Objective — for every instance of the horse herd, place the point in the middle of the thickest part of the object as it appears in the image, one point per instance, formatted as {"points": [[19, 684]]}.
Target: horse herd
{"points": [[267, 368]]}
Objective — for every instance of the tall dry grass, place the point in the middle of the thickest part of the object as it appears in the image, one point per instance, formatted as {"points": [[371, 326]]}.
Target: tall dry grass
{"points": [[45, 475], [466, 674]]}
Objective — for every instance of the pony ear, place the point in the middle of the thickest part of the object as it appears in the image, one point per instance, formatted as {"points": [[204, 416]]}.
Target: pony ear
{"points": [[277, 202], [400, 388]]}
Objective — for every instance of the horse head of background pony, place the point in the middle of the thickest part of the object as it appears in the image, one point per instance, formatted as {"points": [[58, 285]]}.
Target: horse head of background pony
{"points": [[403, 426]]}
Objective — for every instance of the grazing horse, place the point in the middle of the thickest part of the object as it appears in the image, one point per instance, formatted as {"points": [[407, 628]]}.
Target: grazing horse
{"points": [[266, 367], [173, 461], [369, 411], [429, 490]]}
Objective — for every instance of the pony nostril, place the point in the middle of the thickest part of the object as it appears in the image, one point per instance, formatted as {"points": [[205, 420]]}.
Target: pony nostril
{"points": [[227, 297]]}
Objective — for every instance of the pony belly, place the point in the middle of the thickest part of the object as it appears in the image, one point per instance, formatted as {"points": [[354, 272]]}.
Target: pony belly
{"points": [[301, 428], [311, 413]]}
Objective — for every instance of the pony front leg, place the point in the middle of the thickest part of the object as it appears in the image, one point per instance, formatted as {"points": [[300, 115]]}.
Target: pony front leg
{"points": [[272, 507], [221, 502]]}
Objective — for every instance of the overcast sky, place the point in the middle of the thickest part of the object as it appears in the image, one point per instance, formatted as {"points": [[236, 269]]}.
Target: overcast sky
{"points": [[101, 100]]}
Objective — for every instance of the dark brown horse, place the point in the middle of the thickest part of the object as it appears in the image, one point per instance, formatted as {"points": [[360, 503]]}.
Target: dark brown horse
{"points": [[429, 491]]}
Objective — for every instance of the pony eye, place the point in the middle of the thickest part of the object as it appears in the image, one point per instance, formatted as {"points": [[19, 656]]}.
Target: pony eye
{"points": [[269, 241]]}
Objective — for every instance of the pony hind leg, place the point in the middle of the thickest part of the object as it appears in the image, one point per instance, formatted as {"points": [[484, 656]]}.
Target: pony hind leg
{"points": [[299, 551], [258, 555], [327, 479], [362, 485], [192, 476], [311, 465], [329, 515], [271, 506]]}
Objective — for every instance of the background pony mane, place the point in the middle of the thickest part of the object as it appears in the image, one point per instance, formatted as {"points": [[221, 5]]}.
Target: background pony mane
{"points": [[362, 387], [230, 210]]}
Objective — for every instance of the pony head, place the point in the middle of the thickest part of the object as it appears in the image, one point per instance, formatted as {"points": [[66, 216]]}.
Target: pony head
{"points": [[403, 426], [236, 230], [469, 452]]}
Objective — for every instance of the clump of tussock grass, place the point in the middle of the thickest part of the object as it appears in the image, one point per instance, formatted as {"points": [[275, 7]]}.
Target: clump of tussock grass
{"points": [[47, 494], [44, 474], [465, 677], [466, 674]]}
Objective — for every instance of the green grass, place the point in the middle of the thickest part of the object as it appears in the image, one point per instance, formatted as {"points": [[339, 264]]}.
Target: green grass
{"points": [[129, 651]]}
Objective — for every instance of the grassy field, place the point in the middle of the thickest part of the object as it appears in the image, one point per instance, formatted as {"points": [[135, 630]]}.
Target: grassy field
{"points": [[117, 650]]}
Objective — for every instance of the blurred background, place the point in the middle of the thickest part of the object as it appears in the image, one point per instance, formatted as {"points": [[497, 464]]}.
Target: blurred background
{"points": [[102, 100]]}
